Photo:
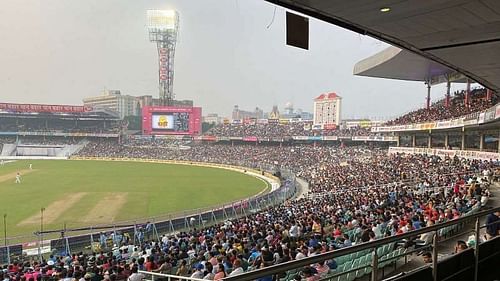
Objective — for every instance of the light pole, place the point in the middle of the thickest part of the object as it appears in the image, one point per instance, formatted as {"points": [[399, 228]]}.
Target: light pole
{"points": [[41, 234], [5, 229], [7, 250]]}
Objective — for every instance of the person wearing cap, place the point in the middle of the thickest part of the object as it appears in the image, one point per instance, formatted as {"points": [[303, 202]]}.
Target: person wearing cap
{"points": [[198, 273]]}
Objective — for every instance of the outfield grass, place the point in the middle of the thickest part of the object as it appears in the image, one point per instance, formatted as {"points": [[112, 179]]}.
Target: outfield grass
{"points": [[115, 191]]}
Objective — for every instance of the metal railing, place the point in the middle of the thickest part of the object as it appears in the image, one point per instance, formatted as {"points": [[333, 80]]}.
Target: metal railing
{"points": [[166, 277]]}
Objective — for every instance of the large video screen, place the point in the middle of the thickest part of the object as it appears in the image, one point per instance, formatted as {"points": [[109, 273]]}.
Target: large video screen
{"points": [[175, 121], [171, 120]]}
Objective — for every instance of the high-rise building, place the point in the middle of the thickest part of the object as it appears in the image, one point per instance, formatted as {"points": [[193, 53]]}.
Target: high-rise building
{"points": [[239, 114], [113, 100], [212, 118], [327, 109]]}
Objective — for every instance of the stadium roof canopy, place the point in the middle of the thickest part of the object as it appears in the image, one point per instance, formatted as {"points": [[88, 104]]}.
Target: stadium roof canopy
{"points": [[395, 63], [463, 35]]}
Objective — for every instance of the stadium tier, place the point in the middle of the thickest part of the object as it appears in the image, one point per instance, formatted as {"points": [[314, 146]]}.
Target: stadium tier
{"points": [[443, 110], [277, 130], [57, 120]]}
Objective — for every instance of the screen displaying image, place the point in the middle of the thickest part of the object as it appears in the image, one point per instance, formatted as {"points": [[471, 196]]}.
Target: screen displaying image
{"points": [[163, 122], [176, 121]]}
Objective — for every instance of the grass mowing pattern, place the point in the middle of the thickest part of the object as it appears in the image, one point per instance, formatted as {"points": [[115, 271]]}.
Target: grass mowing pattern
{"points": [[151, 189]]}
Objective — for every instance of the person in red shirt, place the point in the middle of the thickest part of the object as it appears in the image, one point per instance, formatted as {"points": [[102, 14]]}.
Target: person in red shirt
{"points": [[150, 264]]}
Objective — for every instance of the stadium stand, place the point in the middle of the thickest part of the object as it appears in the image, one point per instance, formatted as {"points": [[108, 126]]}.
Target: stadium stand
{"points": [[301, 128], [439, 111], [402, 193], [399, 198], [33, 118]]}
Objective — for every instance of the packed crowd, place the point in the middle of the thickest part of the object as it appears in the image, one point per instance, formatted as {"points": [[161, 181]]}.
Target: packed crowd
{"points": [[58, 125], [282, 130], [439, 111], [357, 194], [39, 140]]}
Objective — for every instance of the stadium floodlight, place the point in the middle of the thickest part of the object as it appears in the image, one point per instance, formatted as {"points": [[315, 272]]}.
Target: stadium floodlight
{"points": [[163, 27]]}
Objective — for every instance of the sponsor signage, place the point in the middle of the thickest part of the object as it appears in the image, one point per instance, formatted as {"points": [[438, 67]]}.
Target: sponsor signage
{"points": [[478, 155], [489, 115], [208, 138], [374, 138], [251, 138], [16, 107], [59, 134], [329, 127], [317, 127], [163, 53]]}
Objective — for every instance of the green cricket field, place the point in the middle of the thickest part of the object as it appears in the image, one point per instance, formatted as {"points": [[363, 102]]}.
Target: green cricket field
{"points": [[90, 192]]}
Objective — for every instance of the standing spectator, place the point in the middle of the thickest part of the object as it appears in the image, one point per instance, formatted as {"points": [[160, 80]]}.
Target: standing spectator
{"points": [[493, 225]]}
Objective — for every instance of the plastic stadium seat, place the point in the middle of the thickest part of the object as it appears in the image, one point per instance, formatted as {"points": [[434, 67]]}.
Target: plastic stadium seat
{"points": [[342, 259], [368, 269], [352, 275], [361, 272], [380, 252], [368, 258], [342, 277], [346, 266]]}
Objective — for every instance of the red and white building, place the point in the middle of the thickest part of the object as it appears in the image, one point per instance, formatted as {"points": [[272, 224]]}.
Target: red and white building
{"points": [[327, 109]]}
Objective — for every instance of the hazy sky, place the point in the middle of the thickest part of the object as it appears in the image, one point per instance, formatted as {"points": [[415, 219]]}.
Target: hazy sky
{"points": [[59, 51]]}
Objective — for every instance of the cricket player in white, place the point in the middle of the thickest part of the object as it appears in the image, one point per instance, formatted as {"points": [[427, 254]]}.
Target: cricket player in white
{"points": [[31, 166], [18, 178]]}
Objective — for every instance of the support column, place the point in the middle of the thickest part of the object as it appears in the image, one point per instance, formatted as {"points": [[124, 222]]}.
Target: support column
{"points": [[428, 95], [398, 140], [414, 140], [446, 141], [448, 89], [489, 93], [467, 94], [481, 142], [498, 141], [429, 141], [463, 140]]}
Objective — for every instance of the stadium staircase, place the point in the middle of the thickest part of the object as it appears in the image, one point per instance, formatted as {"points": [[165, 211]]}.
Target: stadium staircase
{"points": [[8, 149], [75, 148]]}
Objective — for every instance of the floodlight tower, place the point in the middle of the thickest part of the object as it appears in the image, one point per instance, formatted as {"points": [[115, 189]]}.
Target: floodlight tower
{"points": [[163, 26]]}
